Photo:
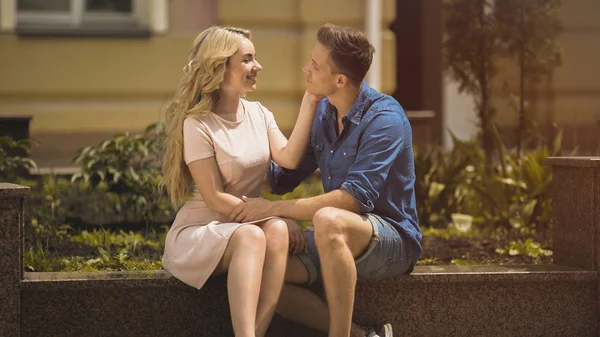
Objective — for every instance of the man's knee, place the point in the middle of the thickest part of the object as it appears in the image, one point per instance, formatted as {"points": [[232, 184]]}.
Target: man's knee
{"points": [[329, 225]]}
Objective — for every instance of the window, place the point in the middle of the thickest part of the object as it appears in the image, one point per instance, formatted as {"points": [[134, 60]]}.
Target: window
{"points": [[83, 17], [76, 13]]}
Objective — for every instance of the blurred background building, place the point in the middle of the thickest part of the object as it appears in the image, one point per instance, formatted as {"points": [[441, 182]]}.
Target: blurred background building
{"points": [[81, 70]]}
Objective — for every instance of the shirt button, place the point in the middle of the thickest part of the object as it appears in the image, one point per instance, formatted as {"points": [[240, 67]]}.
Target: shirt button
{"points": [[331, 151], [344, 153], [329, 177]]}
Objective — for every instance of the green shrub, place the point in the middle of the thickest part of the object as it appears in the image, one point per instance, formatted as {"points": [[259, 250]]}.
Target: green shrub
{"points": [[119, 181], [127, 169], [13, 166]]}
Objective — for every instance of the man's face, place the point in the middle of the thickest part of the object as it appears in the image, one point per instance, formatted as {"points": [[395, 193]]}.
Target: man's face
{"points": [[321, 79]]}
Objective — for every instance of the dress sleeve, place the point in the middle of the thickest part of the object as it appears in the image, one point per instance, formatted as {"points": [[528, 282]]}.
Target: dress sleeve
{"points": [[269, 118], [197, 144]]}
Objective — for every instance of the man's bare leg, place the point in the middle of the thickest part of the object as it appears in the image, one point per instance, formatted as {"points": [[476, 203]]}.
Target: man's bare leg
{"points": [[301, 305], [340, 236]]}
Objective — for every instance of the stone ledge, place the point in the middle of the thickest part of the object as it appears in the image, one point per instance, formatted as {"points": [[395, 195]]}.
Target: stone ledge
{"points": [[574, 161], [434, 300], [10, 191], [422, 274]]}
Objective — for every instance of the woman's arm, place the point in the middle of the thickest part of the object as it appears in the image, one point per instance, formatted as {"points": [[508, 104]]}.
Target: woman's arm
{"points": [[208, 181], [289, 153]]}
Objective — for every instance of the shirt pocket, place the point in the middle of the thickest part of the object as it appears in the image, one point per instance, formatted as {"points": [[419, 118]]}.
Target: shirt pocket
{"points": [[318, 147], [344, 158]]}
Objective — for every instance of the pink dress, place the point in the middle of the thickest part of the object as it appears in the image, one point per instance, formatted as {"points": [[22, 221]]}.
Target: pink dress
{"points": [[198, 237]]}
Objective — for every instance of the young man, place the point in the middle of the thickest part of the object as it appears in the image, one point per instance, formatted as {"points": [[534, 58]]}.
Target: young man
{"points": [[365, 225]]}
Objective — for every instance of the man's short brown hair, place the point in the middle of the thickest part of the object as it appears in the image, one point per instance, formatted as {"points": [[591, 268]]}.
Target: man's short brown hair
{"points": [[350, 50]]}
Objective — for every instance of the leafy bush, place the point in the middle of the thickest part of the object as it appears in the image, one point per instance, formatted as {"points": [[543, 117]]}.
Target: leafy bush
{"points": [[13, 166], [127, 169], [38, 260], [442, 181], [515, 196], [119, 182], [129, 242], [527, 248], [46, 214]]}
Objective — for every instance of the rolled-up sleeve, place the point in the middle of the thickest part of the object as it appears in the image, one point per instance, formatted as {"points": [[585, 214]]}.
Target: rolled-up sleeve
{"points": [[283, 180], [382, 141]]}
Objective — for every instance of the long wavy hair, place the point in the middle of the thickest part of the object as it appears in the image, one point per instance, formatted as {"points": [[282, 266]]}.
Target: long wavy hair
{"points": [[196, 96]]}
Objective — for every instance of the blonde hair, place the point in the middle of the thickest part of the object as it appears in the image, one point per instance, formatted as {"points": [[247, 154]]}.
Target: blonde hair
{"points": [[196, 96]]}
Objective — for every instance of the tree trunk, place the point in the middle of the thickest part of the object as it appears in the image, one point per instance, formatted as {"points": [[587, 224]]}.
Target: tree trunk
{"points": [[522, 118], [486, 127], [484, 104]]}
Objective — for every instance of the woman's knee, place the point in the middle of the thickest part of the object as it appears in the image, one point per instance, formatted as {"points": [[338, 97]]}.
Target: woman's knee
{"points": [[276, 234], [248, 236], [246, 240]]}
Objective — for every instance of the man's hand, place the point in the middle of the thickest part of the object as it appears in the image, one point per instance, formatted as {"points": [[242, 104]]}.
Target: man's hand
{"points": [[251, 209], [298, 241]]}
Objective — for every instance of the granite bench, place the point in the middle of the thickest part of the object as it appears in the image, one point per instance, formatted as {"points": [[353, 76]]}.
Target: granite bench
{"points": [[562, 299]]}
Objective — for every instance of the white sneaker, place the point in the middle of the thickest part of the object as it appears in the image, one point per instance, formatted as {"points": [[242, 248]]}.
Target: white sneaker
{"points": [[386, 331]]}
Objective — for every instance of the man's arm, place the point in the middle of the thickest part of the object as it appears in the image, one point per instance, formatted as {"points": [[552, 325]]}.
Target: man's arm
{"points": [[383, 140], [305, 209]]}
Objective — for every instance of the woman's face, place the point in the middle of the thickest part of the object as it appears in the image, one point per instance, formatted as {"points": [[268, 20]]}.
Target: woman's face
{"points": [[242, 70]]}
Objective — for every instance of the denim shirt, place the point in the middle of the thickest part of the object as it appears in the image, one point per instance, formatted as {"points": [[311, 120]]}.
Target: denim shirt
{"points": [[372, 159]]}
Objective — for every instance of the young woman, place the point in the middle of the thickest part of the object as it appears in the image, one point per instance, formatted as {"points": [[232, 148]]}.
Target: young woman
{"points": [[223, 144]]}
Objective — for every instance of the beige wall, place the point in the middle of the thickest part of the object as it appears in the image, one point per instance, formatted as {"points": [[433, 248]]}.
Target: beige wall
{"points": [[97, 84], [79, 90], [87, 84], [106, 85]]}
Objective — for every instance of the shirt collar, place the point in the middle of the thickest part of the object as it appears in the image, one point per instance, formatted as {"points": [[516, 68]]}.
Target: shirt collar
{"points": [[358, 109]]}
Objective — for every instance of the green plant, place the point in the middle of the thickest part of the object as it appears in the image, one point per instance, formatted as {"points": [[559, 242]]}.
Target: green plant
{"points": [[14, 158], [441, 180], [46, 223], [128, 167], [98, 250], [514, 195], [518, 196], [108, 262], [527, 248], [129, 242], [511, 203], [37, 259]]}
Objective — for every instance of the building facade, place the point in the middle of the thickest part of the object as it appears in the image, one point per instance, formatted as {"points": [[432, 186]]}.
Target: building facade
{"points": [[86, 69]]}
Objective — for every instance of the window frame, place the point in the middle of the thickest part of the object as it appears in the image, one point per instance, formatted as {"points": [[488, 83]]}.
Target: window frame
{"points": [[151, 15]]}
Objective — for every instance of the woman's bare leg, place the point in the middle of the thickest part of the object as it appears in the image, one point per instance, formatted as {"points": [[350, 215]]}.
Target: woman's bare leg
{"points": [[273, 273], [244, 260]]}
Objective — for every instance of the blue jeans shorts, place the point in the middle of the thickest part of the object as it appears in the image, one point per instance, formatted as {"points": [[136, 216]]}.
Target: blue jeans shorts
{"points": [[389, 254]]}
